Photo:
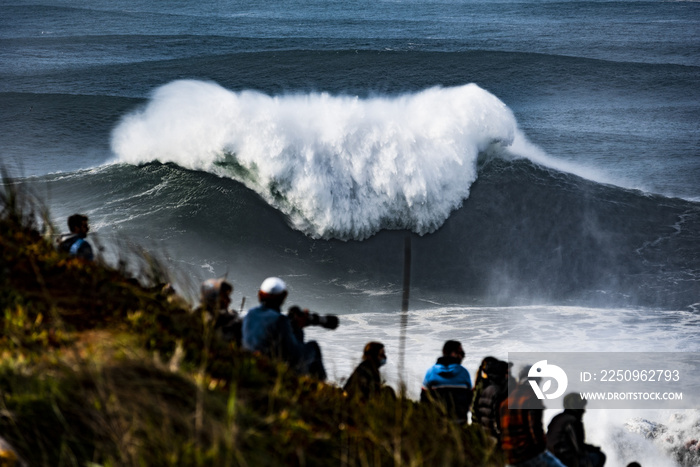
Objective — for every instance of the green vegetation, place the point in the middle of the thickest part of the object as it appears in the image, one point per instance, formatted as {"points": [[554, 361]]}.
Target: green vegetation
{"points": [[97, 368]]}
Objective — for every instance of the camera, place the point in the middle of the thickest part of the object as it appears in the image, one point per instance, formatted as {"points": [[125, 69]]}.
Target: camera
{"points": [[325, 321], [313, 319]]}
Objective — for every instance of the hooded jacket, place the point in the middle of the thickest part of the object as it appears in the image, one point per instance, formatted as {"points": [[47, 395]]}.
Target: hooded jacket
{"points": [[448, 382]]}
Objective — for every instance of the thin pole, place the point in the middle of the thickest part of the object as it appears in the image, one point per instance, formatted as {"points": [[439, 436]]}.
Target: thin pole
{"points": [[398, 443], [404, 305]]}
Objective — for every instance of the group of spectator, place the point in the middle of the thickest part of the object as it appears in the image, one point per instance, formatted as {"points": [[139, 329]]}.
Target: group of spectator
{"points": [[496, 401], [519, 431]]}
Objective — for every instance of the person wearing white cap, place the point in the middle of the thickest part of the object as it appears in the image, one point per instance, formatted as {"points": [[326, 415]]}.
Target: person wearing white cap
{"points": [[267, 331]]}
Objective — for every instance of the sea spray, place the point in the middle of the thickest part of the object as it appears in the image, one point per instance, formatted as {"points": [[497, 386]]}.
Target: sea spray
{"points": [[659, 438], [337, 166]]}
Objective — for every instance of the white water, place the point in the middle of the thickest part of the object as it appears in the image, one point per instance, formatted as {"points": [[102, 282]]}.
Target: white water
{"points": [[339, 166]]}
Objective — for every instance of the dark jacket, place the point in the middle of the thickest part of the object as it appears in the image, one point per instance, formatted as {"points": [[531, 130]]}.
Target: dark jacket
{"points": [[493, 381], [488, 396], [449, 383], [229, 326], [566, 439], [522, 432], [69, 244], [365, 382]]}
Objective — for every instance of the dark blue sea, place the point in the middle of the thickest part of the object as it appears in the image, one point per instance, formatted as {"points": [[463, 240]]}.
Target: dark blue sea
{"points": [[542, 156]]}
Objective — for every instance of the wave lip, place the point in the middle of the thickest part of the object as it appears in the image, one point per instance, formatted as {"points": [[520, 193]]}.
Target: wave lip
{"points": [[337, 166]]}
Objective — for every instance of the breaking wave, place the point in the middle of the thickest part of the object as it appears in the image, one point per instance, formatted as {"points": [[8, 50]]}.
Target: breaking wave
{"points": [[338, 166]]}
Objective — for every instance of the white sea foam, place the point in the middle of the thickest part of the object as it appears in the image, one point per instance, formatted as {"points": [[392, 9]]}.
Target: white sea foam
{"points": [[338, 166]]}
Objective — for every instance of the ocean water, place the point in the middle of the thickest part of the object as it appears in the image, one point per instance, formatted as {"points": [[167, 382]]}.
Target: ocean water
{"points": [[544, 158]]}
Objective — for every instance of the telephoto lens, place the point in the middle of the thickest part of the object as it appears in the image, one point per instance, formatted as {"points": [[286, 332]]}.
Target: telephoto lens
{"points": [[304, 318], [325, 321]]}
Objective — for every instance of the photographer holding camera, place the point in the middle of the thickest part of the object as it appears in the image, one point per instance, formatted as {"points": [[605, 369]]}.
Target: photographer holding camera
{"points": [[268, 331]]}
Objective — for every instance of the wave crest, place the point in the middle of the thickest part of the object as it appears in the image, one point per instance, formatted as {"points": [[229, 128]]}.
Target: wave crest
{"points": [[338, 166]]}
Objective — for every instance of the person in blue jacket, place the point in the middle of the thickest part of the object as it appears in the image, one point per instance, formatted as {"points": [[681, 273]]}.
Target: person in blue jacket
{"points": [[448, 382], [74, 243], [267, 331]]}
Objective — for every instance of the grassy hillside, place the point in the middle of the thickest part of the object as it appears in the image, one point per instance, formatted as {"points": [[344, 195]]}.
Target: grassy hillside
{"points": [[97, 368]]}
